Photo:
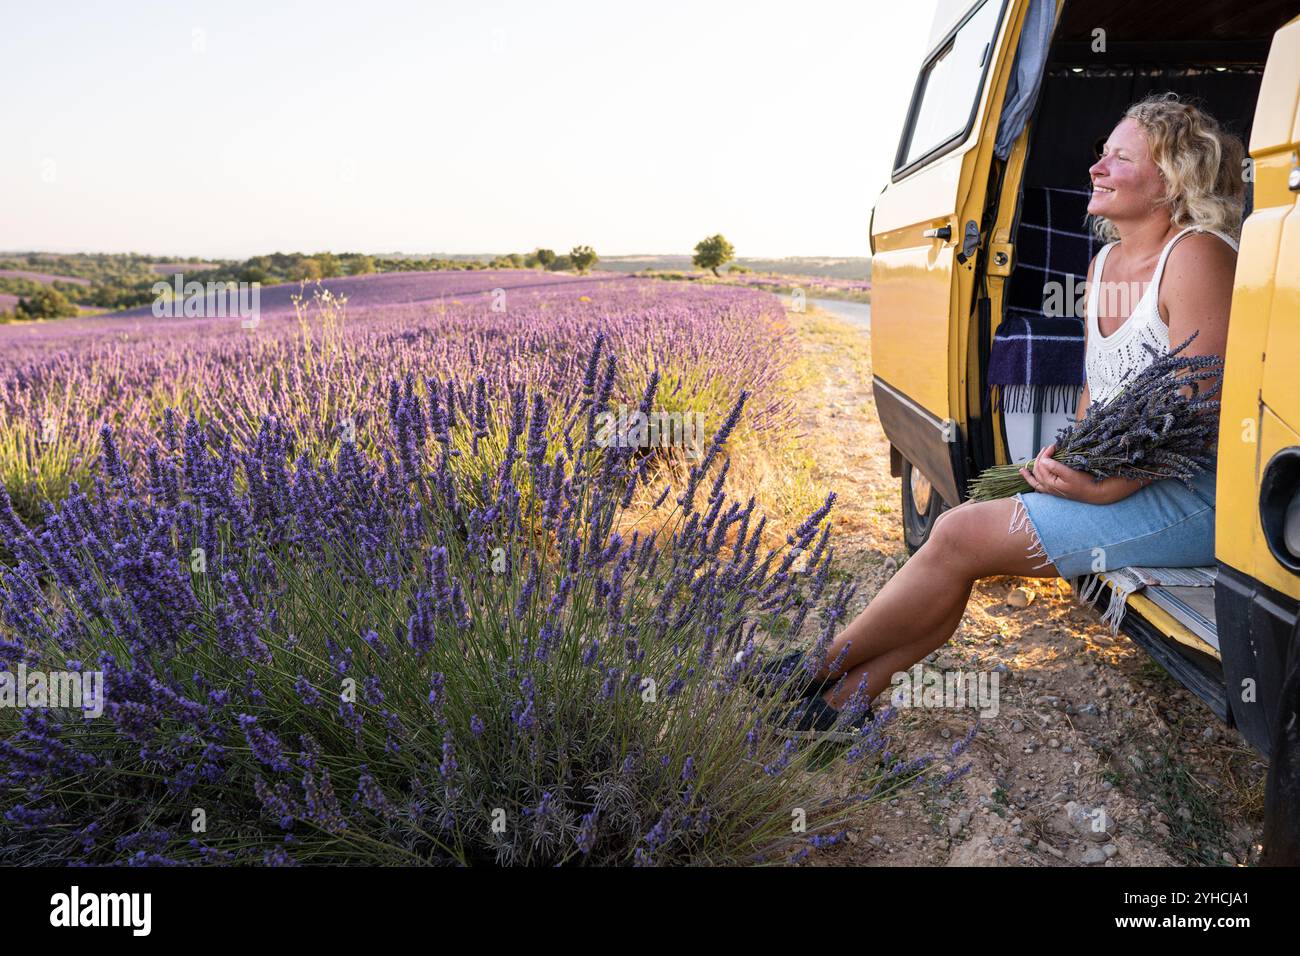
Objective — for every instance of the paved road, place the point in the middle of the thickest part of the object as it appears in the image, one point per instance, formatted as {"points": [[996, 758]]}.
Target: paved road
{"points": [[859, 313]]}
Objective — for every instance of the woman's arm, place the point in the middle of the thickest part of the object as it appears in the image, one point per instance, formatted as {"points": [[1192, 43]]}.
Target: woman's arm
{"points": [[1196, 294], [1115, 488]]}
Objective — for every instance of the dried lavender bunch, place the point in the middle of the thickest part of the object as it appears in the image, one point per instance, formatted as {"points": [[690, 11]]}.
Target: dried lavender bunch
{"points": [[1151, 429]]}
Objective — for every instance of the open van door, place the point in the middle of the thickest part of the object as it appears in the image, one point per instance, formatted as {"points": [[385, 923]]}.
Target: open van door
{"points": [[925, 233]]}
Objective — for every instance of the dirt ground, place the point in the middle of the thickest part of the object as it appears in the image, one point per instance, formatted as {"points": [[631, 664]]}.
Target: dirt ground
{"points": [[1089, 729]]}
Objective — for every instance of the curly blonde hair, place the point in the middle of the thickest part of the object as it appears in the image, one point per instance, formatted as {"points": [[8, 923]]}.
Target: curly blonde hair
{"points": [[1200, 162]]}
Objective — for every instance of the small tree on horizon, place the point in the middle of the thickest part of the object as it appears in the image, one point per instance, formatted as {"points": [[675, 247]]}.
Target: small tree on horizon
{"points": [[583, 258], [713, 253], [46, 303], [545, 257]]}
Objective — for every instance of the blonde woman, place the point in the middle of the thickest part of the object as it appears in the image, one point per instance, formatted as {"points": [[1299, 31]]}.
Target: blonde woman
{"points": [[1167, 197]]}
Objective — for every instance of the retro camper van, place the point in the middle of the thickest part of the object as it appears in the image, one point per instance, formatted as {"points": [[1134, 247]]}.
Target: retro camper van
{"points": [[985, 212]]}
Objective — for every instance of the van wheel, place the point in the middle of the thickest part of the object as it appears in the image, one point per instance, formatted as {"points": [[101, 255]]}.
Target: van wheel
{"points": [[921, 506]]}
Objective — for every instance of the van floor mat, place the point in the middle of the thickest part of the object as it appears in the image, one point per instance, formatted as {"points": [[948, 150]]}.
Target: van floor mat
{"points": [[1175, 577], [1184, 593]]}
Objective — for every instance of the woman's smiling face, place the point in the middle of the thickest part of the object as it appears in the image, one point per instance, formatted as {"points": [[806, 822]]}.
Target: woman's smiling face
{"points": [[1126, 182]]}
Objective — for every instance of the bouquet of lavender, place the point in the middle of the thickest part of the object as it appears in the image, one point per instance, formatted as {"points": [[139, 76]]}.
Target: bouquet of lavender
{"points": [[1151, 429]]}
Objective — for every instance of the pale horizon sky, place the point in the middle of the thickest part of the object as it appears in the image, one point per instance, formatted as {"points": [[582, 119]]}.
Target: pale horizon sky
{"points": [[226, 130]]}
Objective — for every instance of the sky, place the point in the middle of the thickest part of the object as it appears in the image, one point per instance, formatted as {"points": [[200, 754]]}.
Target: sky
{"points": [[237, 128]]}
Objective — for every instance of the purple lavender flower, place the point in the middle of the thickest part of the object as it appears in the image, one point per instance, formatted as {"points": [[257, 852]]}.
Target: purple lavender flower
{"points": [[448, 766], [264, 744]]}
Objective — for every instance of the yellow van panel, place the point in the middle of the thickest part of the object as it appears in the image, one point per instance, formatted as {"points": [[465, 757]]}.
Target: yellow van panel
{"points": [[1275, 122], [1281, 391], [1236, 497], [1274, 140], [909, 323], [911, 283], [925, 195], [1260, 411]]}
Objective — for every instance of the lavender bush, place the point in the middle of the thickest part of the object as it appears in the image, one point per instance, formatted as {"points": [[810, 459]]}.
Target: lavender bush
{"points": [[1150, 429], [457, 654]]}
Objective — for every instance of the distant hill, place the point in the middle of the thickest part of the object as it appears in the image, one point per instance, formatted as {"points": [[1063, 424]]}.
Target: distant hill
{"points": [[851, 267]]}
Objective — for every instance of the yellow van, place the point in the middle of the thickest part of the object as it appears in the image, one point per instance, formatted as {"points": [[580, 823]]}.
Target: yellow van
{"points": [[984, 217]]}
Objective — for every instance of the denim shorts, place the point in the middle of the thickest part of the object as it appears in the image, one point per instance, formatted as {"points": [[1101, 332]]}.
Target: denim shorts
{"points": [[1166, 524]]}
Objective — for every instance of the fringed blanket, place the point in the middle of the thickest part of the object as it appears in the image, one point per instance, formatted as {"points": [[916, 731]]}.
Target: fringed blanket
{"points": [[1126, 581], [1036, 360], [1036, 363]]}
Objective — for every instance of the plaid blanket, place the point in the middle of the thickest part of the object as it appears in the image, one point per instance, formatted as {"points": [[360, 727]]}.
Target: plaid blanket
{"points": [[1035, 350], [1036, 360]]}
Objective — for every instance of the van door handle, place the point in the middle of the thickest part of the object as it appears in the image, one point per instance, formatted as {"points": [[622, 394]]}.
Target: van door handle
{"points": [[970, 243], [943, 232]]}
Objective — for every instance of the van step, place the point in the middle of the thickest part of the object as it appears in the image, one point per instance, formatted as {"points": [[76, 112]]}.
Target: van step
{"points": [[1193, 607], [1185, 594]]}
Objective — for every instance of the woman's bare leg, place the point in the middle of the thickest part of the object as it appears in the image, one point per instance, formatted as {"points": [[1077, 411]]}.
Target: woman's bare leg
{"points": [[920, 607]]}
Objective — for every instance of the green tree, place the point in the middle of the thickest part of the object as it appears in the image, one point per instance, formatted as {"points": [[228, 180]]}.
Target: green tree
{"points": [[583, 258], [47, 303], [363, 265], [329, 265], [713, 253], [545, 257], [308, 269]]}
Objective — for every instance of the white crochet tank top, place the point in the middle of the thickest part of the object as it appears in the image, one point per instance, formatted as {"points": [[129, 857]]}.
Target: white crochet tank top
{"points": [[1114, 358]]}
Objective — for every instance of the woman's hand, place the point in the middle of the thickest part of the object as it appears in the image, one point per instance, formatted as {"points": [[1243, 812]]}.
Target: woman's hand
{"points": [[1051, 477]]}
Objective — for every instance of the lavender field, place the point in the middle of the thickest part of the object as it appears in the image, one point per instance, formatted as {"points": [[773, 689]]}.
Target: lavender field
{"points": [[368, 582], [321, 358]]}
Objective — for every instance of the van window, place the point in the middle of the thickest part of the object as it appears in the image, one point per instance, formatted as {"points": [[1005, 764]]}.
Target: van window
{"points": [[948, 90]]}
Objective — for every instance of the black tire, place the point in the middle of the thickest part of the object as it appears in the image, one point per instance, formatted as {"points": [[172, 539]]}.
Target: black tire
{"points": [[919, 516]]}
